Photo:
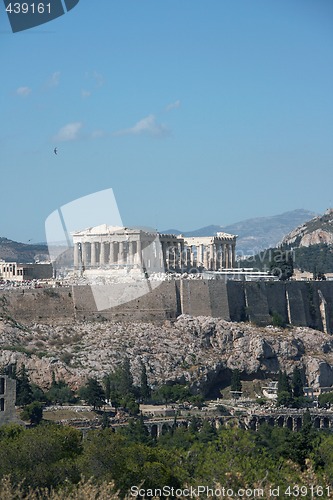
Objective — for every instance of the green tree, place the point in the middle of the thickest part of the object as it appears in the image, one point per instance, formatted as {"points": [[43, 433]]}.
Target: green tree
{"points": [[24, 394], [105, 422], [60, 392], [126, 379], [277, 320], [38, 394], [136, 431], [297, 383], [129, 403], [207, 433], [164, 394], [93, 393], [171, 393], [107, 387], [194, 424], [325, 399], [33, 412], [145, 390], [180, 439], [236, 384], [43, 456], [284, 392], [282, 264], [119, 384], [110, 456]]}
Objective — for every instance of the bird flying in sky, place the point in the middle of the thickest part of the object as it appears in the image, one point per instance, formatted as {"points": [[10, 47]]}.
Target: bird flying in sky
{"points": [[55, 151]]}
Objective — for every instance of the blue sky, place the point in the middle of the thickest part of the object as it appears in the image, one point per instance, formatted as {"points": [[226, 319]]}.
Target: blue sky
{"points": [[194, 112]]}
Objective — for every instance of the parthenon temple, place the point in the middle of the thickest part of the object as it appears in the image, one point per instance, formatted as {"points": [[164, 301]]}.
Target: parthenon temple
{"points": [[112, 247]]}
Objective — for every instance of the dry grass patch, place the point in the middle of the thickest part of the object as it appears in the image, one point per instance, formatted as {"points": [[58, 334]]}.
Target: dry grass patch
{"points": [[65, 414]]}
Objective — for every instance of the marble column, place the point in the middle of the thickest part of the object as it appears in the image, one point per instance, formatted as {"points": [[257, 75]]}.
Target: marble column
{"points": [[102, 254], [164, 255], [215, 257], [112, 252], [199, 255], [172, 256], [169, 255], [187, 257], [121, 253], [93, 254], [85, 253], [227, 260], [233, 255], [211, 257], [224, 256], [130, 258], [76, 255], [220, 256], [139, 252], [195, 256], [190, 256], [181, 255], [205, 259]]}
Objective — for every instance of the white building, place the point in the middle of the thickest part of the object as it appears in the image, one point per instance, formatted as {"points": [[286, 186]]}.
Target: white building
{"points": [[112, 247]]}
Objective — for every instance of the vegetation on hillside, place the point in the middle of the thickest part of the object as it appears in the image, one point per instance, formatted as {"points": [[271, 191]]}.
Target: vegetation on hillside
{"points": [[317, 259], [52, 461], [55, 457]]}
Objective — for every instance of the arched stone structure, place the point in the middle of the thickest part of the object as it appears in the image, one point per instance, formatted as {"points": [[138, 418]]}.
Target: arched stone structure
{"points": [[292, 420]]}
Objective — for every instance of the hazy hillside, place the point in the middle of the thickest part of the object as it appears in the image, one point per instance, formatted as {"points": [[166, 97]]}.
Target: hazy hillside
{"points": [[312, 244], [13, 251], [256, 234]]}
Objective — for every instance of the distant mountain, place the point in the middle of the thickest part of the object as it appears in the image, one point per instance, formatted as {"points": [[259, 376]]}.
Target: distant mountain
{"points": [[256, 234], [313, 232], [13, 251]]}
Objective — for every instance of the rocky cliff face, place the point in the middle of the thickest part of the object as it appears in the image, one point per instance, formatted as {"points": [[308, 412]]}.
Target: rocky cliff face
{"points": [[199, 351], [317, 230]]}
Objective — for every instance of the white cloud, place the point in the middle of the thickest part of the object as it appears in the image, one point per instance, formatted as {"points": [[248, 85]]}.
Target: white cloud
{"points": [[173, 105], [146, 126], [95, 77], [23, 91], [96, 134], [85, 94], [69, 132], [99, 79], [54, 79]]}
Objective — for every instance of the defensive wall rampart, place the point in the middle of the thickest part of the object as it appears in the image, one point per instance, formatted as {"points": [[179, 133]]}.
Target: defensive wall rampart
{"points": [[298, 303]]}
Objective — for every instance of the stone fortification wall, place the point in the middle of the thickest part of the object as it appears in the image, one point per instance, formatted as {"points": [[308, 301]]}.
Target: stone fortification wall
{"points": [[159, 303], [204, 298], [77, 303], [325, 288], [236, 300], [276, 299], [257, 308], [298, 303], [304, 304], [37, 304]]}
